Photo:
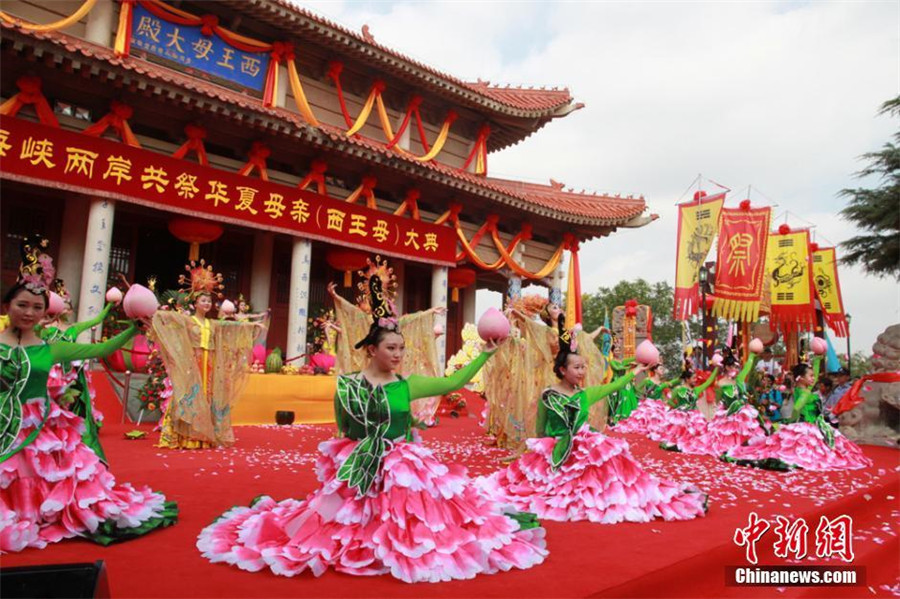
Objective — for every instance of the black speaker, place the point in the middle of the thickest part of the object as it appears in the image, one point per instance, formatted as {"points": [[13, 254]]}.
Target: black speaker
{"points": [[55, 581], [284, 417]]}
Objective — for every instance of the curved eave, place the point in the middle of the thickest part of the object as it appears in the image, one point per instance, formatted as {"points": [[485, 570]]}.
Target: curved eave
{"points": [[304, 24], [181, 89]]}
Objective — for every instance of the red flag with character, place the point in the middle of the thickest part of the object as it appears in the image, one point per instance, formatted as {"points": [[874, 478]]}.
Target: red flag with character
{"points": [[741, 257]]}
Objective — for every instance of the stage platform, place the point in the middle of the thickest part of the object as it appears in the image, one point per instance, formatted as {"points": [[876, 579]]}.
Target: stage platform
{"points": [[309, 397], [658, 559]]}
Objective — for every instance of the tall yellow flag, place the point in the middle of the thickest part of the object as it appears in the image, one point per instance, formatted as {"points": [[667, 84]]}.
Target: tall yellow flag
{"points": [[790, 280], [697, 226]]}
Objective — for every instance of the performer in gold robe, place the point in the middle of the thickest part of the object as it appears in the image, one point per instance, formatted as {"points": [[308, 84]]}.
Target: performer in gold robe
{"points": [[207, 361]]}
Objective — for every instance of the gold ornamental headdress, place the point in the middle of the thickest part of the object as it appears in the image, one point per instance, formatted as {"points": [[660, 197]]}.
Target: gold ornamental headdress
{"points": [[378, 289], [36, 268], [201, 279]]}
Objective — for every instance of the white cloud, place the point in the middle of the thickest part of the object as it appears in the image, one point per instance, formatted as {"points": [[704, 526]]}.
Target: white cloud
{"points": [[782, 96]]}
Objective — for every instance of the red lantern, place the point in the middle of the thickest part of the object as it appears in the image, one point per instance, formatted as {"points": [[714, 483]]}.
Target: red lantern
{"points": [[194, 231], [134, 356], [631, 307], [459, 278], [346, 260]]}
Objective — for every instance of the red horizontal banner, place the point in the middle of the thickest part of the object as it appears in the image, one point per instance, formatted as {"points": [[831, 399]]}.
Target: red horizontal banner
{"points": [[51, 157]]}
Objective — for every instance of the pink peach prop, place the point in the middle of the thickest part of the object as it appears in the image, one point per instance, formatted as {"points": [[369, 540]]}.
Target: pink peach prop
{"points": [[818, 346], [493, 326], [56, 305], [716, 360], [140, 302], [227, 308], [114, 295], [438, 330], [646, 353], [756, 346]]}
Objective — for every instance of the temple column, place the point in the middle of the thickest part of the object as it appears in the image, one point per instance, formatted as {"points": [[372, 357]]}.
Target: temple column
{"points": [[298, 313], [95, 268], [514, 286], [70, 258], [468, 303], [101, 21], [261, 273], [439, 298], [556, 284]]}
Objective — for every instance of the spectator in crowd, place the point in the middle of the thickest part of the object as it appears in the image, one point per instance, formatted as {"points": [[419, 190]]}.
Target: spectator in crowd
{"points": [[769, 398], [842, 383], [824, 387], [768, 364]]}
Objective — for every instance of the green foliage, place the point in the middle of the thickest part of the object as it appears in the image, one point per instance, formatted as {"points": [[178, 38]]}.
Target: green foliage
{"points": [[877, 211], [660, 298], [860, 363]]}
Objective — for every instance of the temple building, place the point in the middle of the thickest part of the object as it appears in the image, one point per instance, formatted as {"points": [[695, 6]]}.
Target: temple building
{"points": [[277, 145]]}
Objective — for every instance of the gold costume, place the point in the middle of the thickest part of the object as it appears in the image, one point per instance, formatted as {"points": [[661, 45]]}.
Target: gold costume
{"points": [[520, 371], [208, 363]]}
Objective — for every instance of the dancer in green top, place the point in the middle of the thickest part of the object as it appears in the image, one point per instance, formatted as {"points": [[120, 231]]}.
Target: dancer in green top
{"points": [[809, 443], [564, 407], [652, 386], [55, 486], [684, 396], [731, 388], [77, 396], [807, 405], [574, 473], [378, 485], [623, 401]]}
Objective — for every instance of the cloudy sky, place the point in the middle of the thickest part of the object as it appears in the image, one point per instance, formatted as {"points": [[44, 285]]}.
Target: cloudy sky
{"points": [[780, 96]]}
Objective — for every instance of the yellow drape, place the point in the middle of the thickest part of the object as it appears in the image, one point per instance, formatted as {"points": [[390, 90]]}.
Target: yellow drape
{"points": [[299, 96], [121, 45], [56, 25], [545, 271], [571, 292], [443, 134], [364, 113]]}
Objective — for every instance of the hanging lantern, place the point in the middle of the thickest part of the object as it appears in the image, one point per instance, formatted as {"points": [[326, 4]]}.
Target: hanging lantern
{"points": [[134, 356], [194, 231], [459, 278], [346, 260]]}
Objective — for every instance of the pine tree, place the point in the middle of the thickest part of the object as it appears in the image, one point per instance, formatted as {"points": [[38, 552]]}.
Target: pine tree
{"points": [[877, 211]]}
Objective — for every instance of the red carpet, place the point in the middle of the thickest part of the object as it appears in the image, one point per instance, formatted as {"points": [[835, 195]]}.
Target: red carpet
{"points": [[683, 559]]}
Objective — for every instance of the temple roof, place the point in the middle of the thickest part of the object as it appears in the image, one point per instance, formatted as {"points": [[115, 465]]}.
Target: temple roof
{"points": [[516, 112], [525, 98], [551, 201]]}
